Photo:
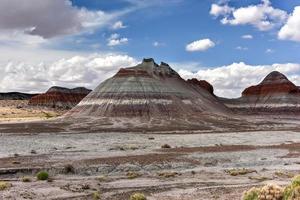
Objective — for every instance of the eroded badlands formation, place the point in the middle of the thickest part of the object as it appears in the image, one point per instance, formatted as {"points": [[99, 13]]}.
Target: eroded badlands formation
{"points": [[275, 94], [60, 98]]}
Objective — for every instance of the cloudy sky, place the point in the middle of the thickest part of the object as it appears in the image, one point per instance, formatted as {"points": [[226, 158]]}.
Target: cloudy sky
{"points": [[230, 43]]}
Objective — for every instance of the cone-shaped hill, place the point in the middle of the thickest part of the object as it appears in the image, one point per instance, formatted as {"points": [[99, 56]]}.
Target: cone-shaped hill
{"points": [[276, 93], [147, 91]]}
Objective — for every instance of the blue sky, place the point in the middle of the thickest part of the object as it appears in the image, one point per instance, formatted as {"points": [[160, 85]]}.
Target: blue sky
{"points": [[181, 22], [230, 43]]}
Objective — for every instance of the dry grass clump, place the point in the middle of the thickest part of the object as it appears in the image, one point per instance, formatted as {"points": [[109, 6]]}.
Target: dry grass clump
{"points": [[96, 195], [251, 194], [168, 174], [236, 172], [26, 179], [275, 192], [166, 146], [271, 191], [4, 185], [138, 196], [133, 175]]}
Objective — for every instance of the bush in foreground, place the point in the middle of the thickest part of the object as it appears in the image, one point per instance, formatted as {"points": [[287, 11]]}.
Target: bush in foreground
{"points": [[4, 185], [275, 192], [138, 196], [42, 176]]}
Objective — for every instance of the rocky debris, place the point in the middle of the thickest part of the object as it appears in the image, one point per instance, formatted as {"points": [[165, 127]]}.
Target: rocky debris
{"points": [[16, 96], [202, 84], [59, 97], [146, 91], [275, 94]]}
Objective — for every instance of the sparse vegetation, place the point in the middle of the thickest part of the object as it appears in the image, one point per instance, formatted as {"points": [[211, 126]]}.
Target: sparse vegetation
{"points": [[26, 179], [42, 176], [275, 192], [251, 194], [165, 146], [102, 178], [133, 175], [168, 174], [138, 196], [236, 172], [69, 168], [4, 185], [96, 195]]}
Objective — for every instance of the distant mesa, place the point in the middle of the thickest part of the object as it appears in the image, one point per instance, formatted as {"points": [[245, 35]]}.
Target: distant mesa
{"points": [[60, 97], [149, 91], [275, 94], [16, 96]]}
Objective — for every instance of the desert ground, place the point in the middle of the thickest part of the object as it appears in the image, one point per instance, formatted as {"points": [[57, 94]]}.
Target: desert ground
{"points": [[18, 111], [163, 166]]}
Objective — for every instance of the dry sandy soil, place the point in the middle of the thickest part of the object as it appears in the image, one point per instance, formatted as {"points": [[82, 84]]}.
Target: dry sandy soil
{"points": [[17, 110], [197, 166]]}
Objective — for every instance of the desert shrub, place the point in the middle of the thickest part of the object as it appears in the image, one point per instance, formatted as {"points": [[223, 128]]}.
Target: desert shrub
{"points": [[236, 172], [133, 175], [271, 191], [165, 146], [251, 194], [26, 179], [4, 185], [42, 176], [68, 168], [96, 195], [292, 191], [138, 196], [168, 174]]}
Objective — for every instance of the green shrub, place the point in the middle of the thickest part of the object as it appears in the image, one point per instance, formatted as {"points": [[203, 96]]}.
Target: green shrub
{"points": [[42, 176], [138, 196], [251, 194]]}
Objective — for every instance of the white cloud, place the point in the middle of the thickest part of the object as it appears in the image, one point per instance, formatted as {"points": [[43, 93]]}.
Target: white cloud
{"points": [[118, 25], [116, 40], [231, 80], [291, 30], [269, 51], [217, 10], [158, 44], [86, 71], [241, 48], [262, 16], [200, 45], [249, 37]]}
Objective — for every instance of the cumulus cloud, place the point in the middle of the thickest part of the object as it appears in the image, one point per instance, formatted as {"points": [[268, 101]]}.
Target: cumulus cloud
{"points": [[291, 30], [241, 48], [49, 18], [200, 45], [115, 40], [231, 80], [158, 44], [87, 71], [217, 10], [118, 25], [262, 16], [247, 37]]}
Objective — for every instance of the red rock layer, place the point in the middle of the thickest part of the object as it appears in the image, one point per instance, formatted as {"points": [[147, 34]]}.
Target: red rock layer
{"points": [[274, 83], [57, 97], [202, 84]]}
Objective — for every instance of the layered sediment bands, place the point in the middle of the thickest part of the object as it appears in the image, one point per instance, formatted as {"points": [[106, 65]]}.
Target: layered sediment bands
{"points": [[275, 94], [147, 90], [58, 97], [202, 84]]}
